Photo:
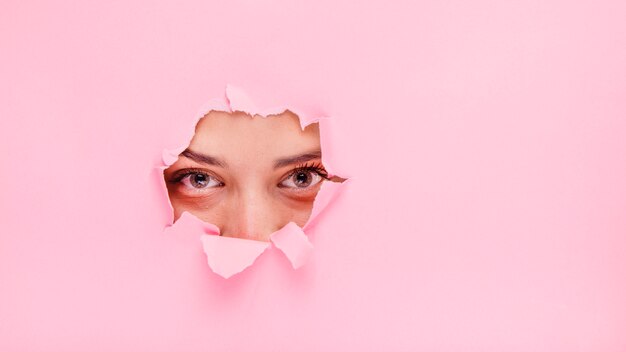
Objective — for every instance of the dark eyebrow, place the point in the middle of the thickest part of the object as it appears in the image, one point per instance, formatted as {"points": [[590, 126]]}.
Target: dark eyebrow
{"points": [[203, 158], [297, 159]]}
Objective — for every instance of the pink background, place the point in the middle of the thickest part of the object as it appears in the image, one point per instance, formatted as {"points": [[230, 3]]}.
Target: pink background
{"points": [[485, 141]]}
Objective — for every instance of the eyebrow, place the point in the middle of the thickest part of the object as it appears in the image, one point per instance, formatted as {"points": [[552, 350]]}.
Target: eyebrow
{"points": [[282, 162], [203, 158], [297, 159]]}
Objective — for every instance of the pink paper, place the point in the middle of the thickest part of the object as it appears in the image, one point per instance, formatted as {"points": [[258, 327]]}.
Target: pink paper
{"points": [[292, 241], [187, 223], [483, 142], [228, 256]]}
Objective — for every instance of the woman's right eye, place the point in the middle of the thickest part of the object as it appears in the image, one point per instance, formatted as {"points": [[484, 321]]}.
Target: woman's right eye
{"points": [[199, 181]]}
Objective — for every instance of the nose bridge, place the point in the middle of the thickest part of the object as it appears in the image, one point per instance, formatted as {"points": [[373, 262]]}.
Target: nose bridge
{"points": [[252, 215]]}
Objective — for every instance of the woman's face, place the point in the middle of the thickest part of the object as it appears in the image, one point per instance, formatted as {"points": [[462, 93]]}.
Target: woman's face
{"points": [[249, 176]]}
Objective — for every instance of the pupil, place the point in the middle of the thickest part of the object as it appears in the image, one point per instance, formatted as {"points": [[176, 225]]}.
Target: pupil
{"points": [[303, 179], [199, 180]]}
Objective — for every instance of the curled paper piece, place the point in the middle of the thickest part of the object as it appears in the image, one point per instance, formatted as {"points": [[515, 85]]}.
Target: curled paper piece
{"points": [[228, 256], [171, 155], [327, 194], [188, 223], [239, 101], [292, 241]]}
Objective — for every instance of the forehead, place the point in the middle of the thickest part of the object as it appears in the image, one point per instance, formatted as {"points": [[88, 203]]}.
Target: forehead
{"points": [[239, 136]]}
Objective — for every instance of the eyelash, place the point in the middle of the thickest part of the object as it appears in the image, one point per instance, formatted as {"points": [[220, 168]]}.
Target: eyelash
{"points": [[179, 176], [312, 167]]}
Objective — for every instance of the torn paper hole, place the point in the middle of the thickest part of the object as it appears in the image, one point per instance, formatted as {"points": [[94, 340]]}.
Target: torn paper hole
{"points": [[246, 177]]}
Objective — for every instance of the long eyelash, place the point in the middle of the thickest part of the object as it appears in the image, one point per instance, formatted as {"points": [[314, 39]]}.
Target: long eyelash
{"points": [[179, 175], [316, 167]]}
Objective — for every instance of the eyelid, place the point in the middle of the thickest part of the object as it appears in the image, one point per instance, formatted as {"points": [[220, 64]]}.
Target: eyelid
{"points": [[178, 175], [315, 167]]}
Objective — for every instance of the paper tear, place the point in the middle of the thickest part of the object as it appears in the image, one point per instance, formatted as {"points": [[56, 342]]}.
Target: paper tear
{"points": [[188, 223], [240, 101], [171, 155], [228, 256], [292, 241], [327, 194]]}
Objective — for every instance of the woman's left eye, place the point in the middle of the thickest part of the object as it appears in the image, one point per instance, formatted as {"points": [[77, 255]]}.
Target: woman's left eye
{"points": [[302, 179]]}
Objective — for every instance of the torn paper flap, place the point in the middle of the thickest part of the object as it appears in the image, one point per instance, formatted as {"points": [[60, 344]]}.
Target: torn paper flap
{"points": [[292, 241], [238, 100], [228, 256], [189, 224], [327, 193], [170, 156]]}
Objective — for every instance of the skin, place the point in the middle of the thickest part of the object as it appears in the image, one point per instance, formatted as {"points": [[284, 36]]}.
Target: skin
{"points": [[249, 176]]}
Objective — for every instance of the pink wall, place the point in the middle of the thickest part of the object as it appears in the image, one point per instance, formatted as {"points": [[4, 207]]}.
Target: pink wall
{"points": [[485, 141]]}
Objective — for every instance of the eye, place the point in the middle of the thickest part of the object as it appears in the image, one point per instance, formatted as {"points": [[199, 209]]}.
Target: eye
{"points": [[200, 180], [303, 178]]}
